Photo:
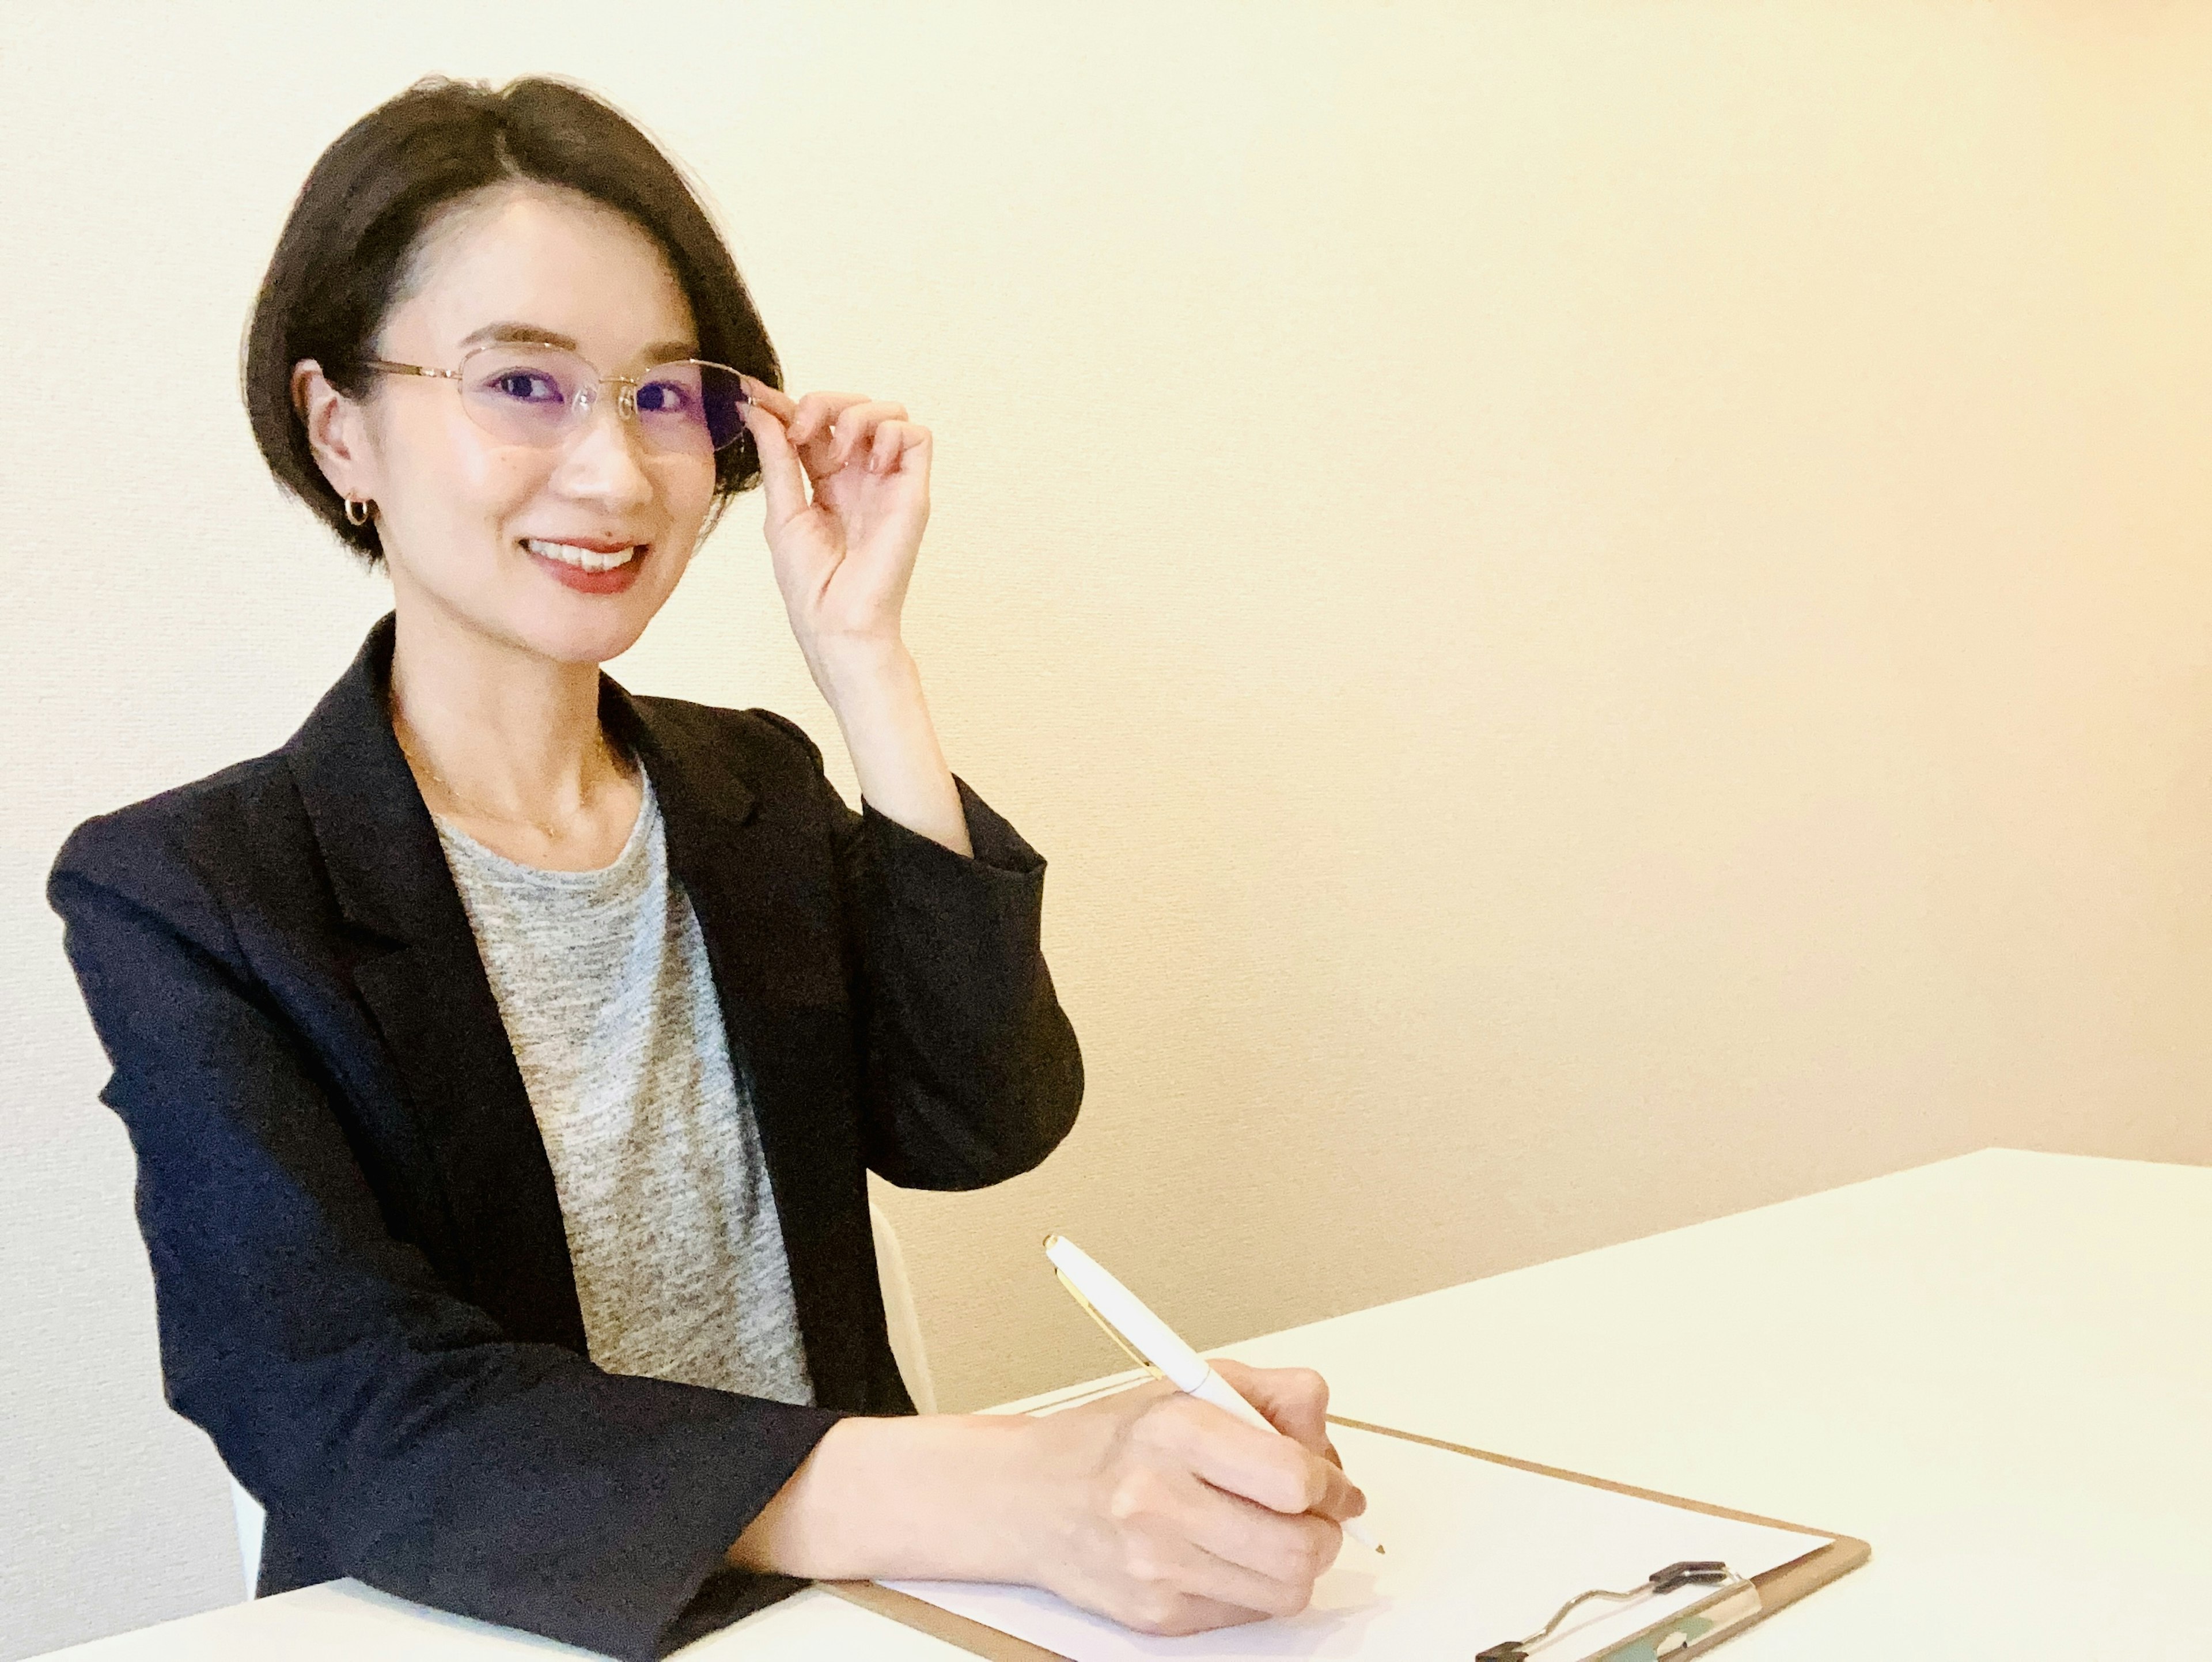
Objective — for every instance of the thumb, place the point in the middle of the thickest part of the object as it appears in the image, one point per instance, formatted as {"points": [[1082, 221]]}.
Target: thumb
{"points": [[783, 480]]}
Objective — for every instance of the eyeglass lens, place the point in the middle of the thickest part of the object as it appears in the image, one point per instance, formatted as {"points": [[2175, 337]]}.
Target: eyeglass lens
{"points": [[534, 394]]}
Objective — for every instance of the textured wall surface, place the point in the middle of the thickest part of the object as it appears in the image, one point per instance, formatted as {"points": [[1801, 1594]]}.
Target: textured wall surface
{"points": [[1603, 609]]}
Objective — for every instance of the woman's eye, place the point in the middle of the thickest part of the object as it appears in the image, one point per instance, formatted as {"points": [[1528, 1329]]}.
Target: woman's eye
{"points": [[663, 398], [528, 385]]}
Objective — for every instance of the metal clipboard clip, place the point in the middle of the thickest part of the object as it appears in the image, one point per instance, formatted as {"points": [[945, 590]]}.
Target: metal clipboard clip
{"points": [[1733, 1601]]}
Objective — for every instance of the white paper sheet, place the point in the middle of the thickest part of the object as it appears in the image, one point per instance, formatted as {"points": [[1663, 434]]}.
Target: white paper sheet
{"points": [[1478, 1552]]}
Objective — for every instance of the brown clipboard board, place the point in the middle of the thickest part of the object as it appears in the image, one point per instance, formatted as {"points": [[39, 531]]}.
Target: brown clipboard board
{"points": [[1779, 1588]]}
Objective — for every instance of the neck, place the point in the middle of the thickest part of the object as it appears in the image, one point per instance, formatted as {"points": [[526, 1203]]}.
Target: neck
{"points": [[503, 730]]}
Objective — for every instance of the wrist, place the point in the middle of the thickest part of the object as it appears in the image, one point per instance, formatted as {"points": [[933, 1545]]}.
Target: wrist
{"points": [[874, 689], [940, 1497], [855, 671]]}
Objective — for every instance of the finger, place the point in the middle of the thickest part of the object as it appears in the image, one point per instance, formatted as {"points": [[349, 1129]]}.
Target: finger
{"points": [[813, 416], [1277, 1472], [814, 433], [1290, 1554], [783, 480], [1177, 1615], [898, 444], [780, 403], [1294, 1400], [1220, 1582], [855, 427], [1173, 1560]]}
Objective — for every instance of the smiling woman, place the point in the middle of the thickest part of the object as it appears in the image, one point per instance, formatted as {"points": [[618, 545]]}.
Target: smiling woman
{"points": [[505, 1055], [367, 223], [475, 500]]}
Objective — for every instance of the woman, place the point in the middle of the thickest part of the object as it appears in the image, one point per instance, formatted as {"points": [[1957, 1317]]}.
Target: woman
{"points": [[505, 1055]]}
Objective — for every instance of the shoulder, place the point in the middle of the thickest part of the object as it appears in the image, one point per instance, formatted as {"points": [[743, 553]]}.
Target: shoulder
{"points": [[165, 853]]}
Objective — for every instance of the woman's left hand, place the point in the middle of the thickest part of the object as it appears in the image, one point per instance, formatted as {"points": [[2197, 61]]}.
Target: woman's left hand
{"points": [[847, 485], [846, 479]]}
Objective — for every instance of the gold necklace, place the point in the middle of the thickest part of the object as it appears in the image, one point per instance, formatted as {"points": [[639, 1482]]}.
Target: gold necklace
{"points": [[415, 760]]}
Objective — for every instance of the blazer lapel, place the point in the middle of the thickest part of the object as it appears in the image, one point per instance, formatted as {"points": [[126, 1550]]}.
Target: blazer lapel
{"points": [[424, 983], [760, 879], [759, 874]]}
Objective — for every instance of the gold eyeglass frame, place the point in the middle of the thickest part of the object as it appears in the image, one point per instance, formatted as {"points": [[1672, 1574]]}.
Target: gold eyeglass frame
{"points": [[586, 398]]}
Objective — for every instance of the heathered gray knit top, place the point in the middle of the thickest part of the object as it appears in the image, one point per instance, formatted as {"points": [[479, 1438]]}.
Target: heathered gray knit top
{"points": [[603, 983]]}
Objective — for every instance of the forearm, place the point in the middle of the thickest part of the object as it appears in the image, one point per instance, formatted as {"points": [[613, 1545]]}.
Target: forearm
{"points": [[940, 1497], [875, 691]]}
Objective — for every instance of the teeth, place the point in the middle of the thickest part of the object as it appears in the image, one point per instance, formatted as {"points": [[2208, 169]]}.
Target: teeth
{"points": [[584, 559]]}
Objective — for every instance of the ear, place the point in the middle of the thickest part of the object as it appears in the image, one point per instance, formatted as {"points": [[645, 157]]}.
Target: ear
{"points": [[337, 431]]}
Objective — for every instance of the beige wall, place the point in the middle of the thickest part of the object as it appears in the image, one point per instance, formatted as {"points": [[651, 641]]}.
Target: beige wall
{"points": [[1603, 609]]}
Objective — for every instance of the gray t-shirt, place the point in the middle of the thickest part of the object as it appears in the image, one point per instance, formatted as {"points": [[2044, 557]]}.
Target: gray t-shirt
{"points": [[603, 983]]}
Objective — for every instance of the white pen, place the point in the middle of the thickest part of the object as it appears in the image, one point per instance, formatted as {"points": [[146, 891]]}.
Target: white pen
{"points": [[1155, 1344]]}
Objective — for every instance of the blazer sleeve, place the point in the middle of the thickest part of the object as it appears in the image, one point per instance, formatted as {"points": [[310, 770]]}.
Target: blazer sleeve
{"points": [[347, 1388], [970, 1069]]}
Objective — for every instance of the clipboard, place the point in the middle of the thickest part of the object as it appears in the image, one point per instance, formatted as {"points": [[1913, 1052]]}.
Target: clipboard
{"points": [[1680, 1635]]}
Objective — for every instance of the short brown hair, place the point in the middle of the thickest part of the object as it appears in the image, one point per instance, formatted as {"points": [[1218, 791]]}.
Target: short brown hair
{"points": [[345, 245]]}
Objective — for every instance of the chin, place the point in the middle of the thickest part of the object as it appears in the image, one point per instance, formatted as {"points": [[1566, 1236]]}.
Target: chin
{"points": [[589, 634], [601, 618]]}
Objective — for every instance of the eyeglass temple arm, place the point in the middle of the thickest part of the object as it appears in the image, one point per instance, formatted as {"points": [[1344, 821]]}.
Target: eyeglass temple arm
{"points": [[390, 367]]}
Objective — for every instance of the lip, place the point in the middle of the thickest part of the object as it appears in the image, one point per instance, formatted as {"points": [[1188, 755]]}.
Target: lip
{"points": [[590, 583]]}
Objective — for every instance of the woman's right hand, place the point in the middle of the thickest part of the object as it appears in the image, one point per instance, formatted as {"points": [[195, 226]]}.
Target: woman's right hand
{"points": [[1171, 1516], [1150, 1506]]}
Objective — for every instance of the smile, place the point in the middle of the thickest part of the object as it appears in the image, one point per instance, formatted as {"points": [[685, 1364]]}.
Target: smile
{"points": [[584, 559]]}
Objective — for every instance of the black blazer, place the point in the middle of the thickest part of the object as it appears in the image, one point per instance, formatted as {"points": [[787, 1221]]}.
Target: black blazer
{"points": [[363, 1287]]}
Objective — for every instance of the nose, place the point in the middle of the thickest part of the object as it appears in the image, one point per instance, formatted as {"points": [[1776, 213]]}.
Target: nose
{"points": [[601, 462]]}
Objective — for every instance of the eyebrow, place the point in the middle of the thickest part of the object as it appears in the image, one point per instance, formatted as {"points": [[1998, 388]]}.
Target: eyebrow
{"points": [[531, 334]]}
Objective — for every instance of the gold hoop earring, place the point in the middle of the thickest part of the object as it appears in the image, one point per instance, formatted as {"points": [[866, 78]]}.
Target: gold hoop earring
{"points": [[357, 511]]}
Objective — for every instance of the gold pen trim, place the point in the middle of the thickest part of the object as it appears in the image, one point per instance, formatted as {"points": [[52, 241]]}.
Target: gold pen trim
{"points": [[1104, 1326]]}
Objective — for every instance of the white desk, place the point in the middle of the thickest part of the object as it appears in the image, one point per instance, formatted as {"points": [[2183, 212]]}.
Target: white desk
{"points": [[1997, 1369]]}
